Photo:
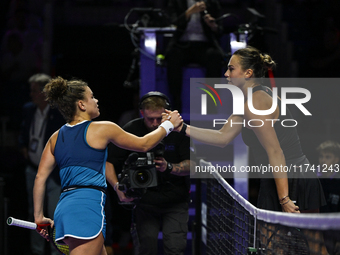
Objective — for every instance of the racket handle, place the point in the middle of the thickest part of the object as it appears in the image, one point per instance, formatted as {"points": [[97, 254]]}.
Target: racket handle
{"points": [[21, 223]]}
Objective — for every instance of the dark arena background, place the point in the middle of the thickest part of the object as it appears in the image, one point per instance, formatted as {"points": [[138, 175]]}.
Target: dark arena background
{"points": [[87, 39]]}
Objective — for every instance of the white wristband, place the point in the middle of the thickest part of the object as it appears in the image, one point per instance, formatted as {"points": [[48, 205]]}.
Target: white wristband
{"points": [[168, 126]]}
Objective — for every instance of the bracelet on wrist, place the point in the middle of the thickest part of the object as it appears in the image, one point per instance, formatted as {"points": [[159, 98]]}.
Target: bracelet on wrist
{"points": [[282, 199], [285, 202]]}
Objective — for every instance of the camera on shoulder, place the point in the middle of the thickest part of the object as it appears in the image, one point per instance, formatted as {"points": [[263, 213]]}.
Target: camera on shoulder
{"points": [[139, 173]]}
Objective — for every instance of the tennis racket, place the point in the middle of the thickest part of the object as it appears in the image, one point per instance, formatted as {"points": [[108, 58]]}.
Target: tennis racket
{"points": [[62, 249]]}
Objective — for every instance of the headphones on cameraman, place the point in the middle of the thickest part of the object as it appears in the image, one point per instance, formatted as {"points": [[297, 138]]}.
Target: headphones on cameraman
{"points": [[156, 94]]}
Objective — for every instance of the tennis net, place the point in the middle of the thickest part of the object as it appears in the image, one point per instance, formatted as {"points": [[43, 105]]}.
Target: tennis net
{"points": [[232, 225]]}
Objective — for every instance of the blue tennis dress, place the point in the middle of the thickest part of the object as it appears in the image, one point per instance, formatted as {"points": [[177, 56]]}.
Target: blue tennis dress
{"points": [[80, 210]]}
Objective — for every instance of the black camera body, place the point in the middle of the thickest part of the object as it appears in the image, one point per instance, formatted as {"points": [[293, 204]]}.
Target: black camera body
{"points": [[139, 173]]}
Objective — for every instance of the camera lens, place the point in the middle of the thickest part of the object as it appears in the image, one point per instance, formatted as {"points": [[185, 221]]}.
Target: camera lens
{"points": [[142, 177]]}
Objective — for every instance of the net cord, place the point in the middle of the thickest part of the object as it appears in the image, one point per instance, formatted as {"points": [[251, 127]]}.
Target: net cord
{"points": [[320, 221]]}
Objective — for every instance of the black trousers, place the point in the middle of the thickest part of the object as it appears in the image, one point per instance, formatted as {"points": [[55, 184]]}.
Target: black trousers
{"points": [[184, 53], [172, 221]]}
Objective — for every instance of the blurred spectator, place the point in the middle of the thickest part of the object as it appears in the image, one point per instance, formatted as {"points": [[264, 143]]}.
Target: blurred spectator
{"points": [[38, 124]]}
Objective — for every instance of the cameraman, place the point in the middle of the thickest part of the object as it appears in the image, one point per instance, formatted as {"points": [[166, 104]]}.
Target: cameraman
{"points": [[164, 207]]}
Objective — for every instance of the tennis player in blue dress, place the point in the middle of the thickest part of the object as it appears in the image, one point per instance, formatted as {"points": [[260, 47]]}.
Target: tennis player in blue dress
{"points": [[79, 148]]}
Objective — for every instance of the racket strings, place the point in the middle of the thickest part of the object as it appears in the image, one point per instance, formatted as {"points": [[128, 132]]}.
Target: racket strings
{"points": [[61, 247]]}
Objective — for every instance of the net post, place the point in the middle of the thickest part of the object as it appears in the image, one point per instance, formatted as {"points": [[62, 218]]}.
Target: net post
{"points": [[255, 222]]}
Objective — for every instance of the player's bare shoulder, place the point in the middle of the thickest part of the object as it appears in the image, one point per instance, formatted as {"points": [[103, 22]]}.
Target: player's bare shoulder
{"points": [[103, 128], [53, 140], [103, 124]]}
